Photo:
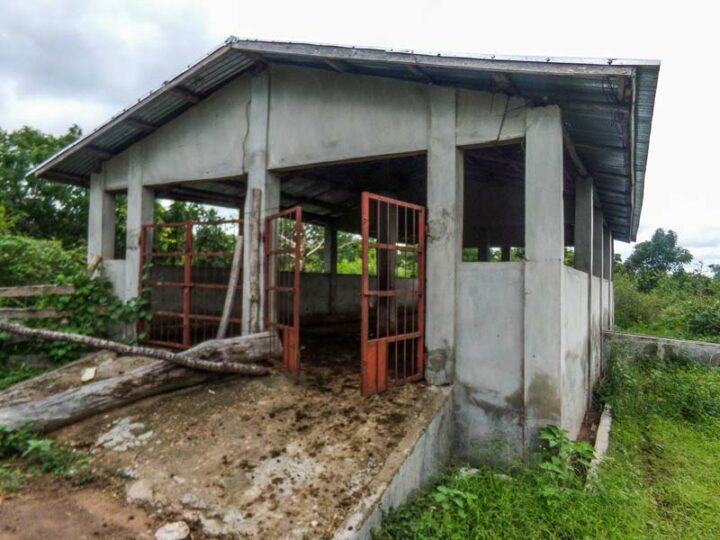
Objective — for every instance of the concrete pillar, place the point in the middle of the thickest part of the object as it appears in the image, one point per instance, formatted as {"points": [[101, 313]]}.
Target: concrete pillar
{"points": [[140, 209], [258, 177], [584, 239], [598, 243], [584, 224], [483, 246], [544, 251], [101, 219], [444, 204], [506, 253], [331, 254], [607, 271]]}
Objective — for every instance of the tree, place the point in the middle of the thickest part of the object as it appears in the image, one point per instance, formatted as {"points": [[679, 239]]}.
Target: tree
{"points": [[33, 206], [654, 258]]}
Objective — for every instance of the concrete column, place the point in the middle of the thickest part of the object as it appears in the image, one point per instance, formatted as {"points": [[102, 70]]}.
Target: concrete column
{"points": [[598, 243], [506, 253], [544, 251], [258, 177], [607, 271], [330, 249], [101, 219], [584, 204], [584, 224], [444, 204], [140, 209], [483, 246]]}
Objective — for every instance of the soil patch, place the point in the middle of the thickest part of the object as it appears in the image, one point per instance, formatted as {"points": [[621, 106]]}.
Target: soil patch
{"points": [[49, 508], [255, 458]]}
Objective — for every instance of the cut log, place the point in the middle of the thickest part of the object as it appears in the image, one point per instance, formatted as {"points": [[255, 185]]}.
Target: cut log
{"points": [[62, 409], [231, 355]]}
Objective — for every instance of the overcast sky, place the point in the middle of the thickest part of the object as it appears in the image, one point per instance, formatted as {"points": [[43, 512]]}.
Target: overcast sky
{"points": [[78, 61]]}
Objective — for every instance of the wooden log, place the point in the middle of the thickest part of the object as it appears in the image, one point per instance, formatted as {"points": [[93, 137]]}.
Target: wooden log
{"points": [[35, 290], [62, 409], [232, 288], [232, 355], [27, 313]]}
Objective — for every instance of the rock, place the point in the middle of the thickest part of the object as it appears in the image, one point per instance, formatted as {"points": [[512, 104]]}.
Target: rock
{"points": [[177, 530], [140, 491], [121, 437], [193, 501], [179, 479], [88, 374]]}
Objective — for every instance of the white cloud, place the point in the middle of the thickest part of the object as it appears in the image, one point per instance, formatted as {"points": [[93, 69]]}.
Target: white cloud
{"points": [[80, 61]]}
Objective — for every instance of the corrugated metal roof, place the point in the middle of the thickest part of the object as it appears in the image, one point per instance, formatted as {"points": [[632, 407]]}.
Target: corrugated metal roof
{"points": [[607, 105]]}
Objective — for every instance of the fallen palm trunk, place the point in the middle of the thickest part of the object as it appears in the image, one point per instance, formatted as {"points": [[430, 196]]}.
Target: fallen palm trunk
{"points": [[231, 355], [65, 408], [173, 370]]}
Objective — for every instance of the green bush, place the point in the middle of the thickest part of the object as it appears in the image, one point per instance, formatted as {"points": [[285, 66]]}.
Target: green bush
{"points": [[28, 261]]}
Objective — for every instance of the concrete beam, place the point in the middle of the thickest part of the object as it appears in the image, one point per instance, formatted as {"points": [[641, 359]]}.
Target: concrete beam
{"points": [[544, 243], [444, 198], [101, 219]]}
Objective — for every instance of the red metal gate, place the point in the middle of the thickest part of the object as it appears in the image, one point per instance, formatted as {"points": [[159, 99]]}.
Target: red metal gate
{"points": [[393, 293], [283, 261], [185, 280]]}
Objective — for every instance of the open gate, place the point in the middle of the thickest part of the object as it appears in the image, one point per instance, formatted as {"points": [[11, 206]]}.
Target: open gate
{"points": [[283, 261], [393, 286]]}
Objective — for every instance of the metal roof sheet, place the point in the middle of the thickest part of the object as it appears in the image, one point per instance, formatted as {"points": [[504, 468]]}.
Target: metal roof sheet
{"points": [[611, 132]]}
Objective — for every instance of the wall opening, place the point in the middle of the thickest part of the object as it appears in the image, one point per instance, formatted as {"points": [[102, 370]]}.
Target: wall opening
{"points": [[494, 204], [330, 197]]}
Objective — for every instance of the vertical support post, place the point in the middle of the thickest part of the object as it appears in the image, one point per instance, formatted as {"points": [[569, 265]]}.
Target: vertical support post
{"points": [[584, 198], [506, 252], [187, 284], [599, 291], [444, 198], [269, 186], [483, 245], [101, 219], [140, 209], [544, 249], [331, 254], [584, 203], [607, 270]]}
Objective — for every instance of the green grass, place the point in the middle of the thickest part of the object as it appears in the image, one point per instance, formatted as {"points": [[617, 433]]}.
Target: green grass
{"points": [[660, 480]]}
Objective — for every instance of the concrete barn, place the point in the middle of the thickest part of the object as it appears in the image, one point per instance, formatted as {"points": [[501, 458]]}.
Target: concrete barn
{"points": [[464, 179]]}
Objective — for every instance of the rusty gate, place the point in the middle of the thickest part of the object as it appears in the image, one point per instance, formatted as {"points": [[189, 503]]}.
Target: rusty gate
{"points": [[185, 278], [393, 282], [283, 261]]}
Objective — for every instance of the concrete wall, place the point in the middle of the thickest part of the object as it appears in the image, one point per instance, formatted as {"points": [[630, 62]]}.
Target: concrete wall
{"points": [[318, 117], [575, 347], [484, 117], [488, 396], [206, 142], [662, 348]]}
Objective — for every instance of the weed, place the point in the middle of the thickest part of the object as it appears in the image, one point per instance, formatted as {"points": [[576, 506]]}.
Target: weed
{"points": [[43, 455], [659, 480]]}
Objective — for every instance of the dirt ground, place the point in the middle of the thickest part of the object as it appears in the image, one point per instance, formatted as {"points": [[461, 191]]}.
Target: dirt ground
{"points": [[247, 458]]}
